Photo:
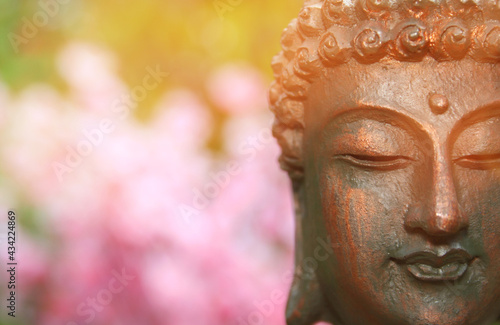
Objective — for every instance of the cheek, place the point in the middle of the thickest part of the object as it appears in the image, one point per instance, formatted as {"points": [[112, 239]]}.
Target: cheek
{"points": [[479, 198], [363, 217], [346, 212], [363, 214], [490, 224]]}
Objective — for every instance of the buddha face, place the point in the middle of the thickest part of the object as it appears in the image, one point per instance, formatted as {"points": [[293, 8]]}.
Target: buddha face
{"points": [[402, 176]]}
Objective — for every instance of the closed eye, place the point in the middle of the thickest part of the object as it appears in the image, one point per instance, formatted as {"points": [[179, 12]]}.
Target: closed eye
{"points": [[376, 162], [479, 161]]}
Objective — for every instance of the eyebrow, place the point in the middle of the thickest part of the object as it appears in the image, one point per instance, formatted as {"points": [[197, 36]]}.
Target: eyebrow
{"points": [[394, 116], [478, 115]]}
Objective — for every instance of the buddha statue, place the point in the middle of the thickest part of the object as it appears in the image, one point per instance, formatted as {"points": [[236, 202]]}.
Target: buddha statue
{"points": [[388, 116]]}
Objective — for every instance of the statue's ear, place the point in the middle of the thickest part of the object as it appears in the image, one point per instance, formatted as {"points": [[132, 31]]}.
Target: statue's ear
{"points": [[306, 304]]}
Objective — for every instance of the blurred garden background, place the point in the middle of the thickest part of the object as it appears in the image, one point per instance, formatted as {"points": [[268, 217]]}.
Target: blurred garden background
{"points": [[137, 156]]}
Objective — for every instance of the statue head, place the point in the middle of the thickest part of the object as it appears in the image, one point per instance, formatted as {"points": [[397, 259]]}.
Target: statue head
{"points": [[388, 116]]}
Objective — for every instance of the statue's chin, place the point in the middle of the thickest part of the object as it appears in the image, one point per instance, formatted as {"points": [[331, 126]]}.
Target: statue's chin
{"points": [[397, 297], [422, 315]]}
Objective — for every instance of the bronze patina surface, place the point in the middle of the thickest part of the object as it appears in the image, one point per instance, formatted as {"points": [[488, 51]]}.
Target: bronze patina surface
{"points": [[388, 115]]}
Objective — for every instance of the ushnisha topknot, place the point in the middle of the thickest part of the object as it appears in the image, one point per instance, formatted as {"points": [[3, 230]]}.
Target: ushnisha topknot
{"points": [[331, 32]]}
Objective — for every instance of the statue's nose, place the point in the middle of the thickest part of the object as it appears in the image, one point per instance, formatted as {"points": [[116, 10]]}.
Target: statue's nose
{"points": [[439, 213]]}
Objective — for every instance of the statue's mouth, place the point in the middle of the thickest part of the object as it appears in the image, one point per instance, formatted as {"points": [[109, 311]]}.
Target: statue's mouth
{"points": [[429, 266]]}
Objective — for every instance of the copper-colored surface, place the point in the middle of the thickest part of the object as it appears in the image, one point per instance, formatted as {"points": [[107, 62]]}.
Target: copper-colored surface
{"points": [[388, 114]]}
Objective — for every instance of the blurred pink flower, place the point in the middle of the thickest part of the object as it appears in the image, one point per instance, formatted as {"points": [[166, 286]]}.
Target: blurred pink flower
{"points": [[90, 71], [120, 207], [35, 133], [182, 120], [238, 89]]}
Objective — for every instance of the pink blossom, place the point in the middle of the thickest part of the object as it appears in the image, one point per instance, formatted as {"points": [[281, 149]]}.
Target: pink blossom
{"points": [[90, 71], [120, 207], [238, 89]]}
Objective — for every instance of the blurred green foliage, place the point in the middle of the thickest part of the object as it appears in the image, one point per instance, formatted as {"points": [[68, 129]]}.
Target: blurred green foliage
{"points": [[187, 38]]}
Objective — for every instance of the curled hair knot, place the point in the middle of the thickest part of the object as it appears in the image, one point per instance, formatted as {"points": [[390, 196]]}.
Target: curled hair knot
{"points": [[369, 44], [411, 43], [310, 21]]}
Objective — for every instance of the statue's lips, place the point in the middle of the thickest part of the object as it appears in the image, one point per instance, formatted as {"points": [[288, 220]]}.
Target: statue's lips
{"points": [[428, 266]]}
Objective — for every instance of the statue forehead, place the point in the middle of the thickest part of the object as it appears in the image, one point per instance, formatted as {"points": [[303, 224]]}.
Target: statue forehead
{"points": [[464, 80], [408, 88]]}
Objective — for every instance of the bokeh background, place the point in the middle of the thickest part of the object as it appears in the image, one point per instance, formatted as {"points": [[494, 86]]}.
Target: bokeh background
{"points": [[135, 149], [136, 153]]}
